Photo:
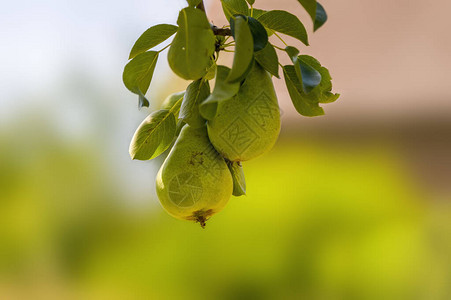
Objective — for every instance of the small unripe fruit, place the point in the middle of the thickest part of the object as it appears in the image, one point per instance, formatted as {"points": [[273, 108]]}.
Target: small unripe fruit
{"points": [[247, 125], [194, 181]]}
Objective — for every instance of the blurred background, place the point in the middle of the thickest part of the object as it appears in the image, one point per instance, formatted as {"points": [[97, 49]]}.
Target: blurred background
{"points": [[355, 204]]}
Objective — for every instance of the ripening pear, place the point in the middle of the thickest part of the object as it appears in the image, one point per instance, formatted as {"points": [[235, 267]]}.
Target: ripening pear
{"points": [[194, 181], [248, 124]]}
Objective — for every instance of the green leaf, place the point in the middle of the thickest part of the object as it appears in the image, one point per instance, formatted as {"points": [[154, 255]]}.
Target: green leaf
{"points": [[153, 136], [142, 101], [292, 52], [311, 78], [239, 181], [211, 73], [244, 49], [308, 76], [258, 12], [223, 90], [138, 74], [251, 2], [321, 17], [322, 92], [173, 103], [193, 45], [259, 34], [303, 105], [284, 22], [234, 7], [195, 94], [310, 7], [152, 37], [268, 59], [193, 2]]}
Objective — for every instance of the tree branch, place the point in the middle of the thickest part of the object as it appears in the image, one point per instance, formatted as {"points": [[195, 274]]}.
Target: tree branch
{"points": [[221, 31], [216, 30]]}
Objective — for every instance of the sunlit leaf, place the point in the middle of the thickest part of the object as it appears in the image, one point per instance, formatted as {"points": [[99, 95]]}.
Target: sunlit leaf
{"points": [[193, 2], [268, 59], [244, 49], [258, 12], [138, 74], [173, 103], [223, 90], [152, 37], [234, 7], [153, 136], [193, 45], [195, 94], [284, 22], [239, 181]]}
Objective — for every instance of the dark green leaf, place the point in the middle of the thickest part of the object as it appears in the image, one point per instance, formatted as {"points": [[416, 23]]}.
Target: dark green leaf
{"points": [[256, 14], [292, 52], [142, 101], [251, 2], [310, 76], [321, 17], [193, 45], [244, 49], [173, 103], [235, 7], [310, 7], [195, 94], [223, 90], [259, 34], [153, 136], [152, 37], [322, 92], [302, 104], [239, 182], [193, 2], [268, 59], [284, 22], [138, 74]]}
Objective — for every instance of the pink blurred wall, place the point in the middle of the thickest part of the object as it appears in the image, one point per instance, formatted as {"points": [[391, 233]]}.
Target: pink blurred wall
{"points": [[390, 60]]}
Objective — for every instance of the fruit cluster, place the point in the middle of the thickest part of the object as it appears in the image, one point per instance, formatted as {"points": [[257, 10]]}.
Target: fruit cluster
{"points": [[211, 133]]}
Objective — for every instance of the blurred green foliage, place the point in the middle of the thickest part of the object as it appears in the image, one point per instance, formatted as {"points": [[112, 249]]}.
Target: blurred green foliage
{"points": [[321, 221]]}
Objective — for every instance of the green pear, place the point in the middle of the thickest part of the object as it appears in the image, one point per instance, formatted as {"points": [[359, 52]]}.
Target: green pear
{"points": [[248, 124], [194, 181]]}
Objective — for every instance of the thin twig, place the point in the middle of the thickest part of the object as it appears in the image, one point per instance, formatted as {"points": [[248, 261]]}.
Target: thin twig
{"points": [[221, 31]]}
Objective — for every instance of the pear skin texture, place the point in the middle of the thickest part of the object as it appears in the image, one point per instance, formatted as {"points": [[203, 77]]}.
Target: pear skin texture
{"points": [[247, 125], [194, 181]]}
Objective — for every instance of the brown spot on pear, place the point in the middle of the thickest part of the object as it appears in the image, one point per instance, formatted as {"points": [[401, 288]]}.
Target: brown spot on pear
{"points": [[247, 125], [194, 181]]}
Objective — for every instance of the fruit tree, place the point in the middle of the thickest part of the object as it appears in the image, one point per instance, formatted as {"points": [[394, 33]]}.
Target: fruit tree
{"points": [[212, 131]]}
